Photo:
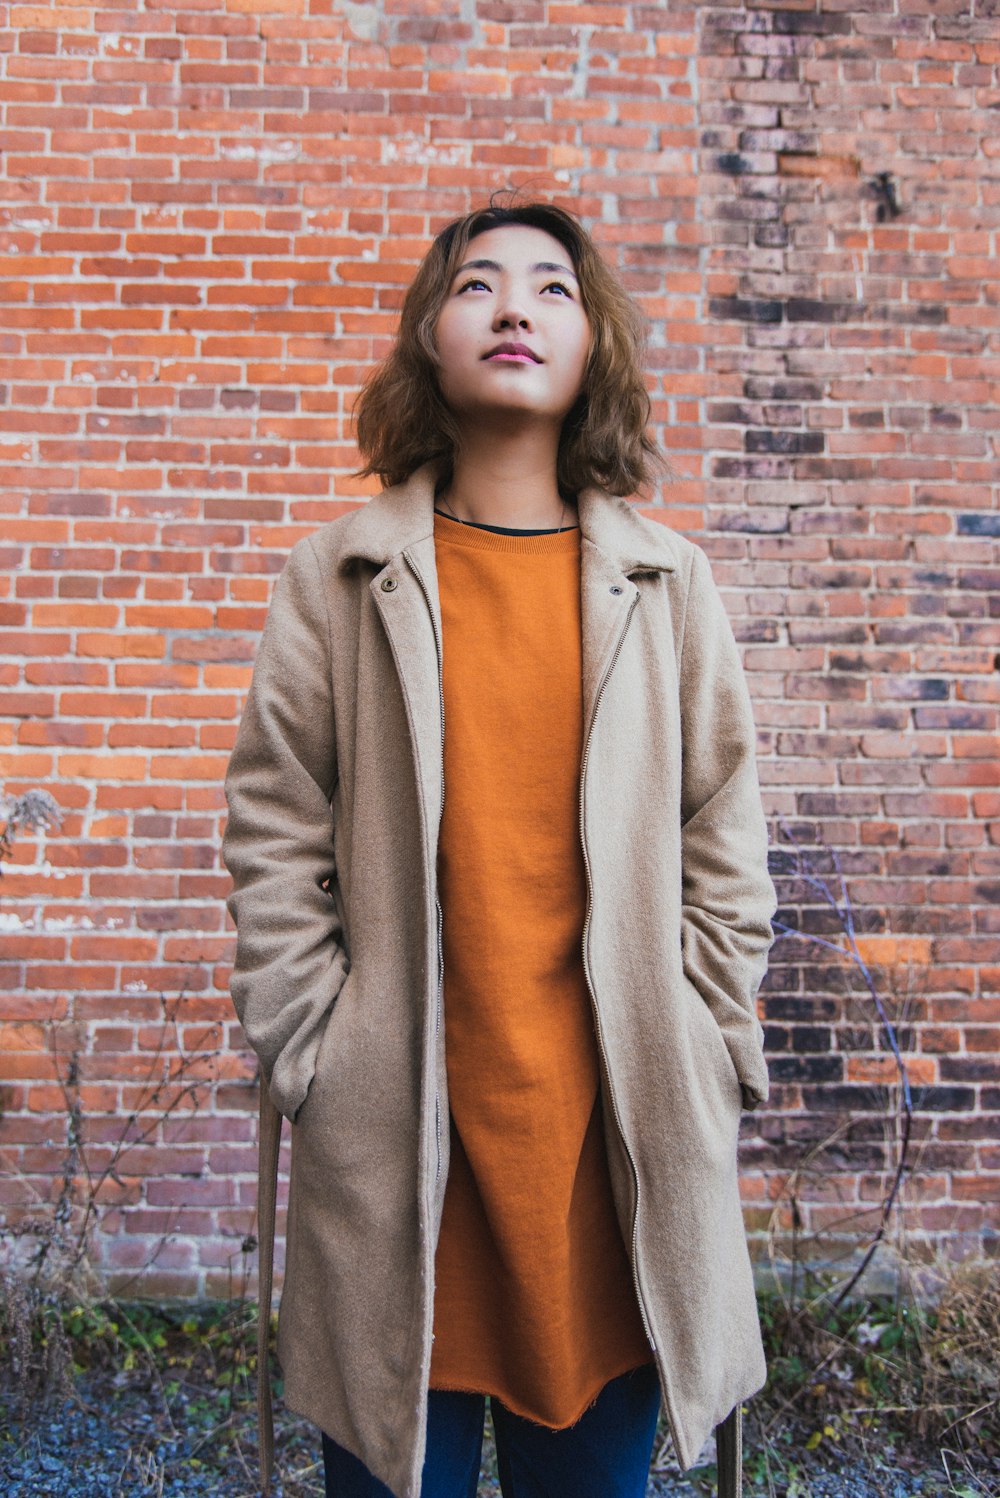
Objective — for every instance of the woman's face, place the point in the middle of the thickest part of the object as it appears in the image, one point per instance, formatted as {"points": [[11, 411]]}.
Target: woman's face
{"points": [[515, 285]]}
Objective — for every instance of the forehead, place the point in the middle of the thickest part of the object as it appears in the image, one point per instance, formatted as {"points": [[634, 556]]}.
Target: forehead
{"points": [[517, 245]]}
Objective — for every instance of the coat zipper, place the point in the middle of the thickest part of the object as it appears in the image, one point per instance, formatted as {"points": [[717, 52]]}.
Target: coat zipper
{"points": [[593, 996], [437, 1094], [440, 913], [586, 928]]}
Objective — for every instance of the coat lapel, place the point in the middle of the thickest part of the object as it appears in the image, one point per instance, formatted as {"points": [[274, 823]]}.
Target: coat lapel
{"points": [[405, 592]]}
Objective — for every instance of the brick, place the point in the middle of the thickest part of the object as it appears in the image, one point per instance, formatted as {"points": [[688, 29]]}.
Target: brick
{"points": [[204, 262]]}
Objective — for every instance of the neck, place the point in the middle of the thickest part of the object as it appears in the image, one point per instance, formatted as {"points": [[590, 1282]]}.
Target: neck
{"points": [[508, 480]]}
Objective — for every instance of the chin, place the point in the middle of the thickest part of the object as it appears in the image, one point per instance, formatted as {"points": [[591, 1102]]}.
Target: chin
{"points": [[529, 402]]}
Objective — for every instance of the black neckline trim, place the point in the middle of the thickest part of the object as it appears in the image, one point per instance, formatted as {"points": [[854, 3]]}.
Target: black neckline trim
{"points": [[505, 530]]}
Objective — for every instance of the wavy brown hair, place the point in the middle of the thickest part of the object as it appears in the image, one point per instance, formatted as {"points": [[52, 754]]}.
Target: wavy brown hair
{"points": [[402, 420]]}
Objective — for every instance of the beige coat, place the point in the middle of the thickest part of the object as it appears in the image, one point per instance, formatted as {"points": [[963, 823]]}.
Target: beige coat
{"points": [[335, 791]]}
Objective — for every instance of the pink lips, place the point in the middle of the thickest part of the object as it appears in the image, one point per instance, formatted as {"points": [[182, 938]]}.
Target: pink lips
{"points": [[516, 352]]}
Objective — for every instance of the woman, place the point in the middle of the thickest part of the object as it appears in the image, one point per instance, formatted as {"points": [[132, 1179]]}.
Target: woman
{"points": [[500, 975]]}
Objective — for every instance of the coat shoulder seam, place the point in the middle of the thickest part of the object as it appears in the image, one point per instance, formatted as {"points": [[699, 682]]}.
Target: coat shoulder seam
{"points": [[687, 601], [326, 601]]}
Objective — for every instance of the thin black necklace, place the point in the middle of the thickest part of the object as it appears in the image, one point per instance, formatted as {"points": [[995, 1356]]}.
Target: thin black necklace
{"points": [[451, 512]]}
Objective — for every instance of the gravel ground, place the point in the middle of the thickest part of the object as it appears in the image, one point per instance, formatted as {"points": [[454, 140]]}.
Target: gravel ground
{"points": [[117, 1447], [116, 1438], [817, 1476]]}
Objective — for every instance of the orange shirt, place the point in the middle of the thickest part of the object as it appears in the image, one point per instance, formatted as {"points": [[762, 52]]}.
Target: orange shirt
{"points": [[534, 1296]]}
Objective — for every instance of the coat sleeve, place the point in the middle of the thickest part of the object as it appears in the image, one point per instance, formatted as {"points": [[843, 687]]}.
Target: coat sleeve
{"points": [[290, 961], [728, 897]]}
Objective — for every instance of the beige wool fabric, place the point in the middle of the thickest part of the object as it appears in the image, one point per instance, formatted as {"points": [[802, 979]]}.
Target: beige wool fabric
{"points": [[335, 791]]}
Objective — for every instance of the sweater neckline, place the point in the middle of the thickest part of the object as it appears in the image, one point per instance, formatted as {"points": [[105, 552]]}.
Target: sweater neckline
{"points": [[476, 536]]}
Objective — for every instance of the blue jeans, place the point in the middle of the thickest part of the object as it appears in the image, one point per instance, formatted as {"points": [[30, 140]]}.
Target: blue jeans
{"points": [[606, 1454]]}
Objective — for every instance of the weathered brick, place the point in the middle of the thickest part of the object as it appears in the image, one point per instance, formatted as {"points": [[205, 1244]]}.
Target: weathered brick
{"points": [[204, 261]]}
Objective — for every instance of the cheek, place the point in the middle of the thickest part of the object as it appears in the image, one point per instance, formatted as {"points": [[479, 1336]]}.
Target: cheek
{"points": [[582, 354], [447, 343], [579, 340]]}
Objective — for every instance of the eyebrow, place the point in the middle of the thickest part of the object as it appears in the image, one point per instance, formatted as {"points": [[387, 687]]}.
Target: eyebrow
{"points": [[495, 265]]}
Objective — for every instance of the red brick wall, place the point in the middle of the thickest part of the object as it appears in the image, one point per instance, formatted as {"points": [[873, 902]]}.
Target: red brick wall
{"points": [[208, 218]]}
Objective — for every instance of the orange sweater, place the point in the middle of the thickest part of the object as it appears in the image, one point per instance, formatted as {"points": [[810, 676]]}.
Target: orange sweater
{"points": [[534, 1298]]}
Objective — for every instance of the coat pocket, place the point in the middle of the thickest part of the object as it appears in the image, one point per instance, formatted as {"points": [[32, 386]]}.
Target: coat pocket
{"points": [[711, 1054], [326, 1052]]}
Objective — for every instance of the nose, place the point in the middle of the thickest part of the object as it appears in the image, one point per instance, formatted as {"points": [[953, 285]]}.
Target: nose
{"points": [[510, 312]]}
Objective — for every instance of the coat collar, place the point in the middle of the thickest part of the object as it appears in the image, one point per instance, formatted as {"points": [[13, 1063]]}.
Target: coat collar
{"points": [[401, 516]]}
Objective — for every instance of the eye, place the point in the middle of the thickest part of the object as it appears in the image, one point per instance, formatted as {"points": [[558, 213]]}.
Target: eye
{"points": [[478, 281]]}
